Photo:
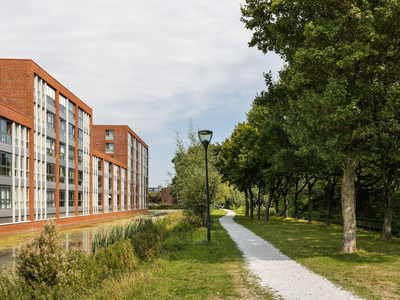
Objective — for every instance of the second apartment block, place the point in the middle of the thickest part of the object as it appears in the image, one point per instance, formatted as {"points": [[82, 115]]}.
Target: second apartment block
{"points": [[121, 143]]}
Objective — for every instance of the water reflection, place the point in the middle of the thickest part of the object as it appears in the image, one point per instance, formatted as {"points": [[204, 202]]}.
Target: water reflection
{"points": [[78, 235]]}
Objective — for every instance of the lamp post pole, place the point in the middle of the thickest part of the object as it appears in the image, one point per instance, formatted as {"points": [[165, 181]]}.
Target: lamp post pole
{"points": [[205, 138], [208, 201]]}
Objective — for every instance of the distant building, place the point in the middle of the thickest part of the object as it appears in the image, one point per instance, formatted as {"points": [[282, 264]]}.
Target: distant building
{"points": [[54, 163], [155, 189], [166, 196]]}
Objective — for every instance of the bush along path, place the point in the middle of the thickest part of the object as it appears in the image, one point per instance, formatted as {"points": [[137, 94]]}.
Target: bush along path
{"points": [[276, 271], [45, 269]]}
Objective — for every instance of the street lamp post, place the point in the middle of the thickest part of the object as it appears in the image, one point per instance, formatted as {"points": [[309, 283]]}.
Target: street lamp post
{"points": [[205, 138]]}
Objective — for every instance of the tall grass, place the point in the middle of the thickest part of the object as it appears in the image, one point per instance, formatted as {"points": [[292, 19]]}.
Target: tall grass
{"points": [[119, 232]]}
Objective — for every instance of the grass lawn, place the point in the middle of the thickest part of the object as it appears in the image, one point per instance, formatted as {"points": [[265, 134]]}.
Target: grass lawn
{"points": [[202, 270], [373, 272]]}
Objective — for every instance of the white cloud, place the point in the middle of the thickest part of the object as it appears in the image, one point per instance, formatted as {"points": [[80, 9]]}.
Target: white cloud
{"points": [[150, 64]]}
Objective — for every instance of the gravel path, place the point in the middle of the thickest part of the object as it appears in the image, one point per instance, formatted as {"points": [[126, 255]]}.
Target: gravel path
{"points": [[278, 272]]}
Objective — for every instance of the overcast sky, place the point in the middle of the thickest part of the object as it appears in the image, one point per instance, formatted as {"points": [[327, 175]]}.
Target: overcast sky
{"points": [[149, 64]]}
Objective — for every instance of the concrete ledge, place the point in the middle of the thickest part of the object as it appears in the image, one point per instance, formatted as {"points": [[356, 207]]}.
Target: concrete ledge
{"points": [[16, 228]]}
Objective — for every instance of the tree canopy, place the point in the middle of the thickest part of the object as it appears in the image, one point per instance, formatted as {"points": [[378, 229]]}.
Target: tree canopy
{"points": [[341, 77]]}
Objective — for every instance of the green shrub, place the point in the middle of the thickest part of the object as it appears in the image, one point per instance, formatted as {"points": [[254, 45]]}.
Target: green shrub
{"points": [[41, 258], [194, 220], [117, 257], [82, 271], [147, 237], [47, 268], [10, 289], [240, 209], [146, 242]]}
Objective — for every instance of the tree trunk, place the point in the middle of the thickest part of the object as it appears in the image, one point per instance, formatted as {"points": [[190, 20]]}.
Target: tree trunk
{"points": [[296, 200], [251, 203], [267, 206], [310, 198], [277, 206], [387, 223], [259, 204], [285, 198], [246, 195], [349, 207], [329, 202]]}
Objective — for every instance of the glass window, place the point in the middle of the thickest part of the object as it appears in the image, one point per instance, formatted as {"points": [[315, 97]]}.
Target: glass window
{"points": [[5, 131], [80, 198], [5, 197], [50, 101], [71, 154], [62, 198], [63, 127], [99, 164], [71, 131], [51, 200], [80, 136], [51, 172], [51, 121], [99, 200], [63, 151], [5, 164], [50, 147], [62, 101], [80, 157], [109, 148], [80, 116], [71, 109], [71, 176], [80, 177], [71, 198], [27, 167], [27, 138], [62, 174], [109, 134], [51, 95], [99, 181]]}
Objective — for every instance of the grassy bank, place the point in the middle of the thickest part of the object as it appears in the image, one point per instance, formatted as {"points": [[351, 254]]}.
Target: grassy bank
{"points": [[373, 272], [167, 259], [200, 271]]}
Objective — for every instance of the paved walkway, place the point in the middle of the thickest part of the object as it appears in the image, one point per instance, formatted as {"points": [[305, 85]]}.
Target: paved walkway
{"points": [[287, 278]]}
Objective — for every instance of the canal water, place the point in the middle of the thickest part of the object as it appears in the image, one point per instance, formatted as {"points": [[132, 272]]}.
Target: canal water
{"points": [[77, 235]]}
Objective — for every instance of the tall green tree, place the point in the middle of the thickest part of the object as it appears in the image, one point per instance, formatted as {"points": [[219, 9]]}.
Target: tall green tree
{"points": [[343, 60], [189, 180]]}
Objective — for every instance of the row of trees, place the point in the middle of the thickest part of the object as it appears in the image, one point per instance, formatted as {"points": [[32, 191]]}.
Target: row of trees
{"points": [[335, 105]]}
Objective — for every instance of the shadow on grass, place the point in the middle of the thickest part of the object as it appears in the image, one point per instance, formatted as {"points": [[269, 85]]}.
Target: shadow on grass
{"points": [[300, 240]]}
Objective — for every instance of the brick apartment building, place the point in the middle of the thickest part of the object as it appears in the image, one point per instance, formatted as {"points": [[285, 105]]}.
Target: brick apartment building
{"points": [[54, 163]]}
